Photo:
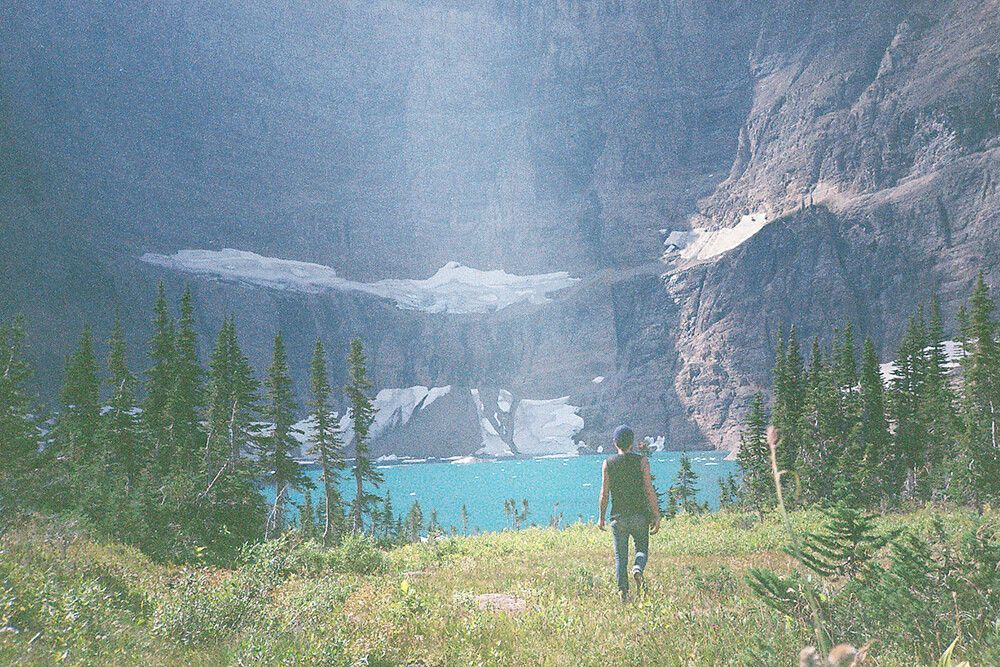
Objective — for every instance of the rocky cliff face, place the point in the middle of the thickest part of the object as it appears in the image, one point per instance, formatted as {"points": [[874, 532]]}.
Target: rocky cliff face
{"points": [[840, 159]]}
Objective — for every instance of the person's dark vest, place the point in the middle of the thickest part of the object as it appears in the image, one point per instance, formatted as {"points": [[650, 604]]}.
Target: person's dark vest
{"points": [[628, 496]]}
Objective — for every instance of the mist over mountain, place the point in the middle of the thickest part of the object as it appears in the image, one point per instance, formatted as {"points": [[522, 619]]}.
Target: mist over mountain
{"points": [[703, 173]]}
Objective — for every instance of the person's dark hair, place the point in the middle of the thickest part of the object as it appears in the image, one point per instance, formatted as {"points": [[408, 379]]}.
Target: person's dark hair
{"points": [[623, 438]]}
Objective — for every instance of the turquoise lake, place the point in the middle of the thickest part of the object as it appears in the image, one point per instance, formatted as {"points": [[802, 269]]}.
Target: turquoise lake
{"points": [[567, 486]]}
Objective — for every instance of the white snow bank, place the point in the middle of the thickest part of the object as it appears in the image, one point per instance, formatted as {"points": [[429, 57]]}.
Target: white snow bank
{"points": [[492, 443], [658, 444], [434, 393], [701, 244], [393, 409], [546, 426], [453, 289], [505, 400], [953, 353]]}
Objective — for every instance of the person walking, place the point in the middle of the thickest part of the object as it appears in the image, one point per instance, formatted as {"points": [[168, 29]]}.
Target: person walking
{"points": [[635, 512]]}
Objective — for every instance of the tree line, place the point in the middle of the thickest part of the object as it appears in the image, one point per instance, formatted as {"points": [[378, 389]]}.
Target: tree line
{"points": [[926, 432], [180, 473]]}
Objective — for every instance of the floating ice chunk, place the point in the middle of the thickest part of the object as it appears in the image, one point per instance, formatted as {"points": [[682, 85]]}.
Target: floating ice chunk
{"points": [[453, 289], [701, 244]]}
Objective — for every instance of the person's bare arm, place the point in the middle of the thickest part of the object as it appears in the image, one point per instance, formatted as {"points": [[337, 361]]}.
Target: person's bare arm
{"points": [[654, 504], [605, 492]]}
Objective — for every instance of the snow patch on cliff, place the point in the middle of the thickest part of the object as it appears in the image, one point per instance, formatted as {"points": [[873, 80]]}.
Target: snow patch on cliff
{"points": [[546, 426], [701, 244], [493, 444], [453, 289]]}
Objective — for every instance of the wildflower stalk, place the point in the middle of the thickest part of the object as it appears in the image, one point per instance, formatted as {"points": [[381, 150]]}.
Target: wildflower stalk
{"points": [[821, 637]]}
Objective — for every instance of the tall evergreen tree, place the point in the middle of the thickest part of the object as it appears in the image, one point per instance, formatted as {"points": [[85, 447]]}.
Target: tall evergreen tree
{"points": [[938, 407], [121, 430], [388, 518], [18, 433], [325, 441], [981, 384], [752, 459], [159, 380], [284, 473], [685, 487], [80, 400], [877, 459], [846, 359], [414, 523], [186, 395], [362, 414], [233, 399], [790, 400]]}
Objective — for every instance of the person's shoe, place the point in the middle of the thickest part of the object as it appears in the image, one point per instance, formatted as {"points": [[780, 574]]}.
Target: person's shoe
{"points": [[640, 584], [624, 596]]}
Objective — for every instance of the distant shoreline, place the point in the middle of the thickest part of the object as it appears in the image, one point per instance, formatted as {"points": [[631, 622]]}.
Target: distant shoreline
{"points": [[394, 460]]}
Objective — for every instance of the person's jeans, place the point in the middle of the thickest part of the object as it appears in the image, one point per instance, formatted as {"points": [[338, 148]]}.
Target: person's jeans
{"points": [[636, 527]]}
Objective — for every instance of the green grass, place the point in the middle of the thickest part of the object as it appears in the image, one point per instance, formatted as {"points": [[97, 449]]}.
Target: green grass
{"points": [[70, 597]]}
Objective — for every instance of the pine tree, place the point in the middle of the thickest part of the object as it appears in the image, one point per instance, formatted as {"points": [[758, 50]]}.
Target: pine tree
{"points": [[414, 523], [790, 397], [685, 487], [981, 366], [80, 400], [877, 460], [325, 440], [219, 392], [434, 529], [186, 395], [465, 520], [820, 442], [18, 432], [388, 519], [283, 472], [121, 431], [159, 381], [753, 459], [846, 359], [938, 408], [233, 399], [906, 391], [362, 414], [307, 518]]}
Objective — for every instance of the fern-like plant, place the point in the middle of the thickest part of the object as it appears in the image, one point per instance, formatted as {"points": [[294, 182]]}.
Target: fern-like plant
{"points": [[845, 545]]}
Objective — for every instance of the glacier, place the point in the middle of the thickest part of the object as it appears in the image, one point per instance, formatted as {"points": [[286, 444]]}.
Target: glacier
{"points": [[546, 426], [454, 288]]}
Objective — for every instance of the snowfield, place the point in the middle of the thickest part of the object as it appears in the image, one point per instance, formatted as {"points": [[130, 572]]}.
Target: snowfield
{"points": [[700, 244], [453, 289], [492, 444], [546, 427], [541, 427]]}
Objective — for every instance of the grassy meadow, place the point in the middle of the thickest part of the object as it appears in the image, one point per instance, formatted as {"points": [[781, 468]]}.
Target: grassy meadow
{"points": [[67, 596]]}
